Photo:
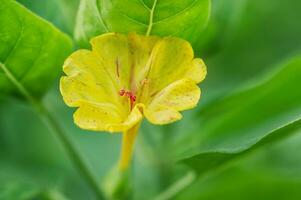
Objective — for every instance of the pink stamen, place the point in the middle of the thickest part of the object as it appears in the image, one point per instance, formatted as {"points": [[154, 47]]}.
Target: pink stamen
{"points": [[128, 94], [133, 97], [121, 92]]}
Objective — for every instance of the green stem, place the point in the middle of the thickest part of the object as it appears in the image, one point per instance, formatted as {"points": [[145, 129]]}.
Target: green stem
{"points": [[177, 187], [70, 148]]}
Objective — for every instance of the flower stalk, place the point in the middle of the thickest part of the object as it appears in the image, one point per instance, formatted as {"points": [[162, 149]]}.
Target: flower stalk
{"points": [[128, 141]]}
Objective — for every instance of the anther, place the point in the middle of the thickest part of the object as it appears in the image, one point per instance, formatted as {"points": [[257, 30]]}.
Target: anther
{"points": [[121, 92], [128, 94], [133, 98]]}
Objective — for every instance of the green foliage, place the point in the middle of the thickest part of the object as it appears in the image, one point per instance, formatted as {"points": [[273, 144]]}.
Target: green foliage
{"points": [[23, 182], [117, 184], [243, 121], [59, 12], [17, 190], [269, 173], [31, 48], [185, 18], [240, 111], [247, 38]]}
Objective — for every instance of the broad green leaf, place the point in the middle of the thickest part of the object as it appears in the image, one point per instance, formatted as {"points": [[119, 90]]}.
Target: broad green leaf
{"points": [[237, 184], [32, 49], [210, 160], [49, 195], [17, 190], [42, 153], [59, 12], [27, 181], [244, 121], [247, 38], [270, 173], [182, 18]]}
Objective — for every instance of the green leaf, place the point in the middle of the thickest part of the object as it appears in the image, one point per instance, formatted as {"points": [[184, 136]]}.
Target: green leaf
{"points": [[185, 18], [270, 173], [31, 49], [17, 190], [210, 160], [27, 181], [49, 195], [245, 121], [246, 38], [59, 12], [237, 184]]}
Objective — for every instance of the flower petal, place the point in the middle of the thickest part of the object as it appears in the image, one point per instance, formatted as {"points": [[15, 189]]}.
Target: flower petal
{"points": [[105, 118], [76, 92], [198, 70], [171, 60], [179, 95], [125, 57], [87, 79], [141, 48], [112, 50]]}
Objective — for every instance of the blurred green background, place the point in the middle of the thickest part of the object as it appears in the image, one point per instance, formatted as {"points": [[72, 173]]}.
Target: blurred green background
{"points": [[244, 42]]}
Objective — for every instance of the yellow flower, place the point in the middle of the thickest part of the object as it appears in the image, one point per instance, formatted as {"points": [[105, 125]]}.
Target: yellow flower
{"points": [[127, 77]]}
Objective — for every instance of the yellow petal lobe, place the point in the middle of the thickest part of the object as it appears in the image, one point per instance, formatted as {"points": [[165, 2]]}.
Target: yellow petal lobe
{"points": [[180, 95], [171, 59], [105, 118], [198, 70]]}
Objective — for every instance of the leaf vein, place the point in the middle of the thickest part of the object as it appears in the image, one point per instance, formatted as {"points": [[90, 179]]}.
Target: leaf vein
{"points": [[134, 20], [41, 47], [190, 6], [144, 4], [15, 44], [151, 18]]}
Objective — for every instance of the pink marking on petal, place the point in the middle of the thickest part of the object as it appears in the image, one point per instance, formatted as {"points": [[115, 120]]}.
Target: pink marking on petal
{"points": [[117, 67]]}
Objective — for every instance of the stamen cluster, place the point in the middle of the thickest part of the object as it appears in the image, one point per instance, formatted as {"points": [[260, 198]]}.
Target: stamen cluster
{"points": [[128, 94]]}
